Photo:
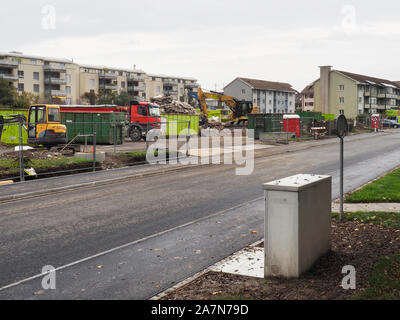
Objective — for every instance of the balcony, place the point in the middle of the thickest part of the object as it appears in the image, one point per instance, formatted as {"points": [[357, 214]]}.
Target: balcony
{"points": [[170, 83], [192, 85], [108, 75], [57, 93], [137, 88], [171, 91], [8, 63], [54, 68], [10, 77], [136, 77], [55, 81], [109, 87]]}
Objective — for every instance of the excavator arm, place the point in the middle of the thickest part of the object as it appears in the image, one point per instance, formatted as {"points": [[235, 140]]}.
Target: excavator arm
{"points": [[239, 108]]}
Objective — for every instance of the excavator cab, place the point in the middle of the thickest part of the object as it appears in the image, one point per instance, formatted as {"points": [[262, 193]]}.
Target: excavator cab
{"points": [[242, 109], [44, 126]]}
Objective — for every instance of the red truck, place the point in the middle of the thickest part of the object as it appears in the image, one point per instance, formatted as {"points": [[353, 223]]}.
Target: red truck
{"points": [[141, 117]]}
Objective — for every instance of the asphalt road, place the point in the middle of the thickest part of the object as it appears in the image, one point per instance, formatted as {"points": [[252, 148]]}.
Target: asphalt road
{"points": [[169, 226]]}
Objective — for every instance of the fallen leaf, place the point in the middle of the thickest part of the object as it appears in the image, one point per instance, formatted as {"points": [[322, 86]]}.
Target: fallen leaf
{"points": [[39, 292]]}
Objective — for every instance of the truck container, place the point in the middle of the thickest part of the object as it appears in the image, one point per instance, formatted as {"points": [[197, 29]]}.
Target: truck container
{"points": [[109, 125], [265, 122], [11, 132], [310, 114], [176, 124]]}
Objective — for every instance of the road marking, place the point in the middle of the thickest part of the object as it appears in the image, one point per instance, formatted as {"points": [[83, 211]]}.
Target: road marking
{"points": [[129, 244]]}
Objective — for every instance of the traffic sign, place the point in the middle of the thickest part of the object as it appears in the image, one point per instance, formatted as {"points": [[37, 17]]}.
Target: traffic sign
{"points": [[342, 126]]}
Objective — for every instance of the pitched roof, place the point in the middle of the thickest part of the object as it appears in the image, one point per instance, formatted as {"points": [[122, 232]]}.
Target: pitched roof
{"points": [[368, 80], [308, 89], [268, 85]]}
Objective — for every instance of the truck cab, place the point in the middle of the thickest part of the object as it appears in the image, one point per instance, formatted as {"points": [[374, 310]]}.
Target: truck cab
{"points": [[44, 126], [143, 117]]}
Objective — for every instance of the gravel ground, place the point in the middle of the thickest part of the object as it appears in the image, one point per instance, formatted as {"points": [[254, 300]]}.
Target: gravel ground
{"points": [[356, 244]]}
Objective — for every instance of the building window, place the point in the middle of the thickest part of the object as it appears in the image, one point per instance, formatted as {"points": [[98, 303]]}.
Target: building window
{"points": [[243, 91], [33, 61], [91, 83], [68, 78], [36, 88], [36, 76], [20, 87], [68, 89], [158, 89], [20, 74], [341, 100], [123, 84], [341, 87]]}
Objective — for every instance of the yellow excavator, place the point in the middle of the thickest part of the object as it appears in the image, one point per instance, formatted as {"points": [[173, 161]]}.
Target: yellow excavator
{"points": [[239, 109], [44, 126]]}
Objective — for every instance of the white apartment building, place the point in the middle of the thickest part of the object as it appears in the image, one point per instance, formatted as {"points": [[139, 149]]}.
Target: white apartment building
{"points": [[270, 97]]}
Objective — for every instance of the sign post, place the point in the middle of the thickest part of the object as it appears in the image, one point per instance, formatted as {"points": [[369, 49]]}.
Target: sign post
{"points": [[342, 129]]}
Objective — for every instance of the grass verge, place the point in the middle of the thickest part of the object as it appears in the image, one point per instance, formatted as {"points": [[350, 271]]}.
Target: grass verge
{"points": [[11, 166], [385, 219], [384, 281], [386, 189]]}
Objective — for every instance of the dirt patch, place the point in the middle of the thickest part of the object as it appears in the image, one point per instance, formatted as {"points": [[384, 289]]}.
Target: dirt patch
{"points": [[4, 149], [121, 160], [46, 164], [356, 244]]}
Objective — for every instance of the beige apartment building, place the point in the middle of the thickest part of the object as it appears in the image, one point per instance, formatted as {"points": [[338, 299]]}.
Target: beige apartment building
{"points": [[353, 93], [178, 87], [63, 81], [101, 79]]}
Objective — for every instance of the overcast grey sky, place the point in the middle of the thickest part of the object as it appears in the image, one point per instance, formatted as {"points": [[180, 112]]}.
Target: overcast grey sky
{"points": [[213, 41]]}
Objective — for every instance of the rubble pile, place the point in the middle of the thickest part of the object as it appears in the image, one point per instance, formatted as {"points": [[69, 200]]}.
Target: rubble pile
{"points": [[212, 124], [170, 106]]}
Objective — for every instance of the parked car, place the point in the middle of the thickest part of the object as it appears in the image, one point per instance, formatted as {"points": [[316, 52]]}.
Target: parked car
{"points": [[390, 123]]}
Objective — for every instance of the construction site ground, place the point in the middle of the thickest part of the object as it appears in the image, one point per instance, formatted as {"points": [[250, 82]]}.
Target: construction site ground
{"points": [[124, 155]]}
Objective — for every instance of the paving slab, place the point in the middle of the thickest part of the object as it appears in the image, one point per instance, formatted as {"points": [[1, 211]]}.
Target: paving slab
{"points": [[367, 207]]}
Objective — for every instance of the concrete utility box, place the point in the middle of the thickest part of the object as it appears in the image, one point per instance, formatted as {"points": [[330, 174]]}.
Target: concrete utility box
{"points": [[297, 224]]}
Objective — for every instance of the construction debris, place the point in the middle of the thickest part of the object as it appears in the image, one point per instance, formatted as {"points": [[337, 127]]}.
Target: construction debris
{"points": [[168, 105]]}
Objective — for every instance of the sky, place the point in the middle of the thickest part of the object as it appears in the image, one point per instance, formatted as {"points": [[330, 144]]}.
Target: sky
{"points": [[212, 41]]}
